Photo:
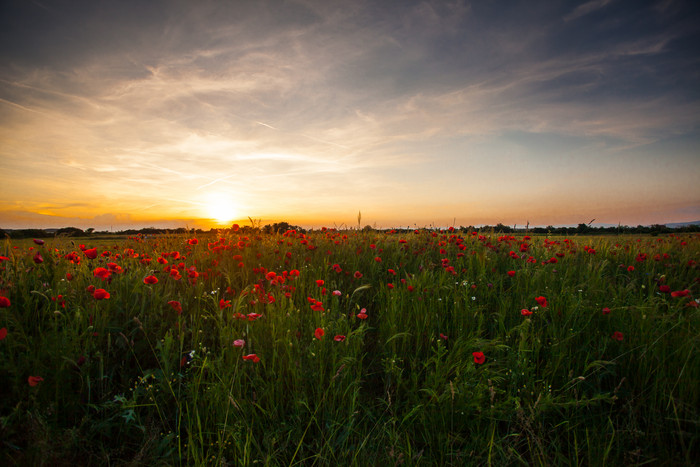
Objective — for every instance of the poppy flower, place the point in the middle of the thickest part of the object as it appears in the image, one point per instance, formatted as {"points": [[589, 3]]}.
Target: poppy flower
{"points": [[337, 293], [150, 280], [177, 306], [479, 357], [251, 357], [38, 241], [3, 333], [238, 343], [100, 294], [511, 273], [541, 301], [319, 333], [317, 306], [34, 380], [224, 304], [618, 336], [339, 338], [362, 314], [357, 274], [38, 259], [91, 253], [525, 312], [320, 282], [680, 293], [102, 273], [606, 311], [443, 336], [192, 241], [664, 289], [4, 302]]}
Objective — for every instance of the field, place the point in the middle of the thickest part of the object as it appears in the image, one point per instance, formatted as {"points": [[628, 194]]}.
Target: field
{"points": [[333, 347]]}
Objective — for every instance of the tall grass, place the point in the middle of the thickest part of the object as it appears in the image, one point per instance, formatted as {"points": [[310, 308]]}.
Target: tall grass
{"points": [[129, 380]]}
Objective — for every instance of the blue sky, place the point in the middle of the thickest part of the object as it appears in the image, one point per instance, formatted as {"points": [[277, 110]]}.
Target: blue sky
{"points": [[116, 114]]}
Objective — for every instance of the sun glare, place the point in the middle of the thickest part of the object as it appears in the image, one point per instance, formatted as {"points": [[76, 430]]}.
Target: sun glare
{"points": [[221, 208]]}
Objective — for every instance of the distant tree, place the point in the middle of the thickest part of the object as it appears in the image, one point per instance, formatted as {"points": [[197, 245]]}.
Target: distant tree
{"points": [[70, 232]]}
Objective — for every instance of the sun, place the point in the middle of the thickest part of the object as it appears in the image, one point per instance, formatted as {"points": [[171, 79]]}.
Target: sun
{"points": [[221, 208]]}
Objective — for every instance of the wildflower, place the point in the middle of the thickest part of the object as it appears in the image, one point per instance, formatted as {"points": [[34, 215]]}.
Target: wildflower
{"points": [[357, 275], [319, 333], [443, 337], [618, 336], [317, 306], [91, 253], [664, 289], [253, 316], [150, 280], [38, 259], [511, 273], [362, 314], [339, 338], [4, 302], [541, 301], [192, 241], [3, 333], [680, 293], [238, 343], [337, 293], [34, 380], [525, 312], [100, 294], [251, 357], [176, 306], [606, 311], [390, 285], [224, 304], [479, 357], [38, 241], [630, 268], [320, 282]]}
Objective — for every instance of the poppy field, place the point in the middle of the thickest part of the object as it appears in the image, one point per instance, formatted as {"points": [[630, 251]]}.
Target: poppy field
{"points": [[425, 347]]}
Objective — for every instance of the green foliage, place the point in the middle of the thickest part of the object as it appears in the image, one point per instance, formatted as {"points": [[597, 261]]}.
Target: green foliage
{"points": [[605, 372]]}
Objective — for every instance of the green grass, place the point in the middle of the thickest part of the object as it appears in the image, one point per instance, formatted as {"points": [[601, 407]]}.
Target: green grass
{"points": [[127, 380]]}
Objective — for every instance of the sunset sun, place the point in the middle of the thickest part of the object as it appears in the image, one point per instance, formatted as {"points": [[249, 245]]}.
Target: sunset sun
{"points": [[221, 208]]}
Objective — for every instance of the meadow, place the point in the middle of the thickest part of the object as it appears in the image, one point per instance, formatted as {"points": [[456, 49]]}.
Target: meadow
{"points": [[426, 347]]}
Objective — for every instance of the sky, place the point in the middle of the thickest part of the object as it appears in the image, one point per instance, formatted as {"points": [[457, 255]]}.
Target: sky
{"points": [[131, 114]]}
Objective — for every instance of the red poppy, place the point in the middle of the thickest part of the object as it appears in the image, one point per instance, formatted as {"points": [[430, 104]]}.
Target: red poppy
{"points": [[680, 293], [38, 259], [34, 380], [224, 304], [3, 333], [357, 274], [320, 282], [177, 306], [319, 333], [479, 357], [664, 289], [362, 314], [378, 259], [606, 311], [100, 294], [317, 306], [339, 338], [102, 273], [91, 253], [192, 241], [525, 312], [390, 285], [511, 273], [38, 241], [251, 357], [618, 336], [150, 280], [541, 301], [443, 336], [4, 302]]}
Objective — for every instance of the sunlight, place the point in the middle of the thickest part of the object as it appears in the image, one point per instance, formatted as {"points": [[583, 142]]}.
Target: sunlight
{"points": [[221, 207]]}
